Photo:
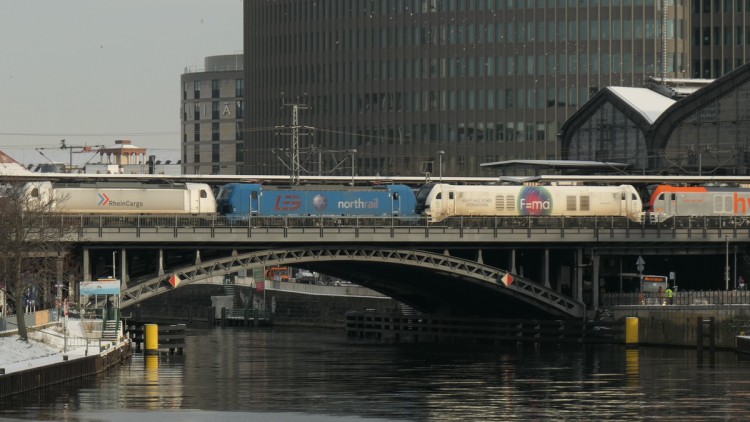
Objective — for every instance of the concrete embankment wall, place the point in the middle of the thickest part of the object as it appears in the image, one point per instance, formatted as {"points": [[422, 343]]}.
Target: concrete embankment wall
{"points": [[304, 309], [190, 304], [678, 325], [33, 378], [289, 303]]}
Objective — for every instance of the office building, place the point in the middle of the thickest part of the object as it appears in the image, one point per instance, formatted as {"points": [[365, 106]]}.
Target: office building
{"points": [[399, 81], [212, 115]]}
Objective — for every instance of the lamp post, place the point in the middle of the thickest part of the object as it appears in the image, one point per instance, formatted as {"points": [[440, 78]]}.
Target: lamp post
{"points": [[726, 275], [440, 164]]}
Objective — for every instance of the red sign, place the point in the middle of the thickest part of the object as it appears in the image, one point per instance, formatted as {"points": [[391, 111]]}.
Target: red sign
{"points": [[260, 286]]}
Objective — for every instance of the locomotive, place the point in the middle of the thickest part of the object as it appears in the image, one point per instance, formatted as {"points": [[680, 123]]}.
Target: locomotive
{"points": [[669, 201], [239, 200], [443, 201], [124, 198]]}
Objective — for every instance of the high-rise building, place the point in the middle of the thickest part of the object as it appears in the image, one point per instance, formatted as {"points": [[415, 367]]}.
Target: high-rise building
{"points": [[212, 112], [408, 84]]}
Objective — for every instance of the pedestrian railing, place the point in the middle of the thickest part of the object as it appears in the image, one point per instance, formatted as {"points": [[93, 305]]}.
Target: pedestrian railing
{"points": [[716, 297]]}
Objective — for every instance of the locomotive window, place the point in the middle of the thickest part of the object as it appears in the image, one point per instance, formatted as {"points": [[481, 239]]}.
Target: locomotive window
{"points": [[571, 203], [439, 195], [674, 196], [450, 195], [623, 197], [254, 195], [35, 193], [661, 197], [204, 194], [510, 203], [634, 197], [585, 202], [395, 195]]}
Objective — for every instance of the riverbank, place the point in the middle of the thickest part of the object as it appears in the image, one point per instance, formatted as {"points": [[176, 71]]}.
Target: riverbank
{"points": [[55, 353]]}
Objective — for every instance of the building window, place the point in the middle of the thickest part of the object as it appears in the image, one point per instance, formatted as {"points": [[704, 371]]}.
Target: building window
{"points": [[240, 111], [196, 111], [239, 152], [215, 131], [239, 88], [215, 153], [215, 88], [196, 132], [215, 110], [239, 131], [196, 89]]}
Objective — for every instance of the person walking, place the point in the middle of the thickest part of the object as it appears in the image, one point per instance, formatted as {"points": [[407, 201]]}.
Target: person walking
{"points": [[670, 295], [660, 293]]}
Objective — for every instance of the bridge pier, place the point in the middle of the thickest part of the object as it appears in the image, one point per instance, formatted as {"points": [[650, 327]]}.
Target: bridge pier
{"points": [[161, 262], [86, 265], [124, 278], [595, 279], [578, 291]]}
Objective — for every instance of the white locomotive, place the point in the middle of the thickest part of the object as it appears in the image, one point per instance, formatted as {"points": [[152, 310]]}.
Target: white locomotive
{"points": [[445, 201], [124, 198]]}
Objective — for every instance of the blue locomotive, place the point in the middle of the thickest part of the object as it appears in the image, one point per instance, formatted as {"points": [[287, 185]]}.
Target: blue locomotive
{"points": [[240, 200]]}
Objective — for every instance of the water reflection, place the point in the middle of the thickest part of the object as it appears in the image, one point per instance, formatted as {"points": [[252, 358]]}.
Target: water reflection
{"points": [[306, 374]]}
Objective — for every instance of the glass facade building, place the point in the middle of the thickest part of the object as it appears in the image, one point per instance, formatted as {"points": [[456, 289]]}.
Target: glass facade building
{"points": [[410, 83]]}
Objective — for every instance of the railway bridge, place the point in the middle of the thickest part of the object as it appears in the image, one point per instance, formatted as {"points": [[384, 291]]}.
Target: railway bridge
{"points": [[456, 266]]}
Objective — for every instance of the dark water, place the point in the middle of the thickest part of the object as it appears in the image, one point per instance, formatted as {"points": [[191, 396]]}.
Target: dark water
{"points": [[313, 375]]}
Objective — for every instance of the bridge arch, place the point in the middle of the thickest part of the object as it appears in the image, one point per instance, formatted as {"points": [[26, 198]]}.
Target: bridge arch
{"points": [[427, 281]]}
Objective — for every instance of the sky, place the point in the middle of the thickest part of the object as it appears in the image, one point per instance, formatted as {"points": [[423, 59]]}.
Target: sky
{"points": [[94, 71]]}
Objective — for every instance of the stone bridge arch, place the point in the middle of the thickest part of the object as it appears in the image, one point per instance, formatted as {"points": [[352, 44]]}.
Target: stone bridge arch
{"points": [[427, 281]]}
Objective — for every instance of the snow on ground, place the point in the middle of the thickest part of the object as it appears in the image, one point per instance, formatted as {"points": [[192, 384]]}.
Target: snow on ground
{"points": [[46, 342]]}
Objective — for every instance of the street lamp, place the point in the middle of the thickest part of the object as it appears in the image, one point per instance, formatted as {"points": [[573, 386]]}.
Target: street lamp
{"points": [[440, 164], [726, 275]]}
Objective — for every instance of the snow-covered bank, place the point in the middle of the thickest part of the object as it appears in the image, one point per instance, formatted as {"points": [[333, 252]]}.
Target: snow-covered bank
{"points": [[42, 343]]}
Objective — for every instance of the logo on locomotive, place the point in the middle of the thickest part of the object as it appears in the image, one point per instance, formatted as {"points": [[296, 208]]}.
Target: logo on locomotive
{"points": [[320, 202], [534, 200], [105, 201], [288, 202]]}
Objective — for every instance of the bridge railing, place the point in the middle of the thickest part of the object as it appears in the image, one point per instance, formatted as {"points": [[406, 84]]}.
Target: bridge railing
{"points": [[715, 297], [68, 222]]}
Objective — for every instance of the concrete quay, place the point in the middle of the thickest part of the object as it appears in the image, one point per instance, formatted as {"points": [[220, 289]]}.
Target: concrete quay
{"points": [[79, 357]]}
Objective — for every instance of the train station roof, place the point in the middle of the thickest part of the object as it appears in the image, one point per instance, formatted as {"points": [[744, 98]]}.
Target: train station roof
{"points": [[646, 102]]}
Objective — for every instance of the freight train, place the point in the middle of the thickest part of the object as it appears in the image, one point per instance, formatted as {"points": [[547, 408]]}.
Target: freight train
{"points": [[436, 201]]}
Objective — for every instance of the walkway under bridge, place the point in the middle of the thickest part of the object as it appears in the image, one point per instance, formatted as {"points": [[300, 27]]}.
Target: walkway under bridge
{"points": [[429, 282]]}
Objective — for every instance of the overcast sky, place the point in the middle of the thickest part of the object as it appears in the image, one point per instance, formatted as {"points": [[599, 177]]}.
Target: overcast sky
{"points": [[93, 71]]}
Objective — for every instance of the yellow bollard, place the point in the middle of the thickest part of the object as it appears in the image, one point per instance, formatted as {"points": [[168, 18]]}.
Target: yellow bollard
{"points": [[631, 331], [151, 332]]}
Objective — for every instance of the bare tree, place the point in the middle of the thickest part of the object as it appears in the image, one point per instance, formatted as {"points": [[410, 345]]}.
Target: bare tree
{"points": [[33, 241]]}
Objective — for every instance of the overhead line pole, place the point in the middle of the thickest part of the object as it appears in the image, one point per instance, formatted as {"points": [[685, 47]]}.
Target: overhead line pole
{"points": [[295, 167]]}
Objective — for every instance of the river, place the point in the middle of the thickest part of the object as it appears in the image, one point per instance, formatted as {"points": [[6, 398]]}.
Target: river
{"points": [[321, 375]]}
